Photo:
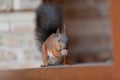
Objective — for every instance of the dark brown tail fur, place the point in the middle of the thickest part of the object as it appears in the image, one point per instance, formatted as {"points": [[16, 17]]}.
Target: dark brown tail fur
{"points": [[48, 20]]}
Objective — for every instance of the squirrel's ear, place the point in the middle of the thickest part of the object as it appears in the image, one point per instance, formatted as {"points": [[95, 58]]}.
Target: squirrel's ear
{"points": [[64, 29], [58, 31]]}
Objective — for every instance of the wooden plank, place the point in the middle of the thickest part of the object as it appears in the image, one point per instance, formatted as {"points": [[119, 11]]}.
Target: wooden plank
{"points": [[115, 16], [82, 72]]}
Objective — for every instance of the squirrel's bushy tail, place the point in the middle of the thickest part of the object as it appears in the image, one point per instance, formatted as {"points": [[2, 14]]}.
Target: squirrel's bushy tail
{"points": [[48, 20], [44, 1]]}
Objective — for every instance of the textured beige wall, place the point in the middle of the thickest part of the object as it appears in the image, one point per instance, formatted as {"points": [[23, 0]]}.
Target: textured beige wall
{"points": [[17, 40]]}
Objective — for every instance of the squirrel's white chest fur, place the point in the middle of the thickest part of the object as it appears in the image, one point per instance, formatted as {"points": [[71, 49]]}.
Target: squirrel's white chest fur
{"points": [[52, 59]]}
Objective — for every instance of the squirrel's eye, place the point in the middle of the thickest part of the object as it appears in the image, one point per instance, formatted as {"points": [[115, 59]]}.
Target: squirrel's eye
{"points": [[58, 40]]}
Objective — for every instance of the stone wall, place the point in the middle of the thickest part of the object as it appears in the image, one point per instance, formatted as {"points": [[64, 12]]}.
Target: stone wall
{"points": [[17, 40]]}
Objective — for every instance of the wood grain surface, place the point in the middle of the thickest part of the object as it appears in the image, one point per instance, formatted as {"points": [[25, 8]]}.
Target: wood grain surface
{"points": [[115, 17], [82, 72]]}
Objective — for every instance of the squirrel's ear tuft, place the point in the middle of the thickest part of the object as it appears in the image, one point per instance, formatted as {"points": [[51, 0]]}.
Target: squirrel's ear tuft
{"points": [[64, 29], [58, 32]]}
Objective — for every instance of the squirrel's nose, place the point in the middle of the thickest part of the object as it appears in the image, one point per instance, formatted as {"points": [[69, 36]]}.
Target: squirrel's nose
{"points": [[63, 47]]}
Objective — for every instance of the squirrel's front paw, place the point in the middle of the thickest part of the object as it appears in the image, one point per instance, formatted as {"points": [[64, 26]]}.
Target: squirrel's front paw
{"points": [[64, 52]]}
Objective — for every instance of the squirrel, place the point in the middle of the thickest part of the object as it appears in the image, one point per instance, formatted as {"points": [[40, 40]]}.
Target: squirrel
{"points": [[54, 49], [51, 34]]}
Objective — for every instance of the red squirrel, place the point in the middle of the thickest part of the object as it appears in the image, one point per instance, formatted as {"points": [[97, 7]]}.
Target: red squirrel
{"points": [[50, 33], [54, 49]]}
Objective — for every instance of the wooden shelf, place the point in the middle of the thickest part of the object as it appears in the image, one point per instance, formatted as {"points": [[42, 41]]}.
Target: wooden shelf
{"points": [[98, 72]]}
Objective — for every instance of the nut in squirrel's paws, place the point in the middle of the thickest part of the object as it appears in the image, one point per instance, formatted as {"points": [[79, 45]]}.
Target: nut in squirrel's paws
{"points": [[64, 52]]}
